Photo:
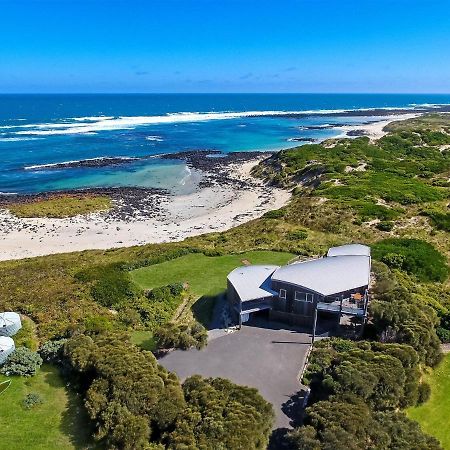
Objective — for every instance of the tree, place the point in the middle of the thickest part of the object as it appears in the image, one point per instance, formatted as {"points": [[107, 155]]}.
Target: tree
{"points": [[349, 424], [221, 415]]}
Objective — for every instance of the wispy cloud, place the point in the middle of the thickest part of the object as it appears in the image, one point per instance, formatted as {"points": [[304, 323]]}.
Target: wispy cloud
{"points": [[246, 76], [141, 72]]}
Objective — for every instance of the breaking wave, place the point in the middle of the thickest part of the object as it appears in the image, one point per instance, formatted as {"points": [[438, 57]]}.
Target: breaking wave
{"points": [[93, 124]]}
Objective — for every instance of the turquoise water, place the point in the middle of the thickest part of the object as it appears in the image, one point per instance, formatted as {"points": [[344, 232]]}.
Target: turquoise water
{"points": [[47, 129]]}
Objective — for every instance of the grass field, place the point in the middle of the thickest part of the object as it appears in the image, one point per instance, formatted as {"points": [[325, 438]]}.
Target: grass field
{"points": [[434, 415], [61, 206], [44, 427], [143, 339], [206, 275]]}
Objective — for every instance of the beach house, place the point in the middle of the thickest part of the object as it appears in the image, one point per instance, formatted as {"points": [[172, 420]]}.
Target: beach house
{"points": [[335, 285]]}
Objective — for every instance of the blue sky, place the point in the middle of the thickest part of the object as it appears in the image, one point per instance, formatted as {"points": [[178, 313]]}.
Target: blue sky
{"points": [[224, 46]]}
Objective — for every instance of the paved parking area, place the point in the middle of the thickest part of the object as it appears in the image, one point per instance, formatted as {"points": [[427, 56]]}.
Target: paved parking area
{"points": [[268, 357]]}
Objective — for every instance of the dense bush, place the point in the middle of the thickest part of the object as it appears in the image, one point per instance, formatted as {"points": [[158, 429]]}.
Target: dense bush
{"points": [[384, 376], [136, 404], [32, 400], [441, 220], [129, 396], [349, 424], [184, 336], [156, 307], [53, 350], [424, 393], [385, 225], [298, 235], [415, 256], [274, 214], [221, 415], [23, 362], [111, 285], [398, 317]]}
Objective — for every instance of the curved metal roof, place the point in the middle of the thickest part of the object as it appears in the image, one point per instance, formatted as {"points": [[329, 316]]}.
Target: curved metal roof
{"points": [[349, 250], [252, 282], [327, 276]]}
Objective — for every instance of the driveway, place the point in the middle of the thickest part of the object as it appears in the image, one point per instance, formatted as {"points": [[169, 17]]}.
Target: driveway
{"points": [[264, 355]]}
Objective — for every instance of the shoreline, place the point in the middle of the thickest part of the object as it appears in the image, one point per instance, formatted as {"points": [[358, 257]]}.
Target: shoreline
{"points": [[227, 196]]}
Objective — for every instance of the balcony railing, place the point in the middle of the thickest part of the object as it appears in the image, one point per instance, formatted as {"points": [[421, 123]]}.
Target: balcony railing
{"points": [[345, 306]]}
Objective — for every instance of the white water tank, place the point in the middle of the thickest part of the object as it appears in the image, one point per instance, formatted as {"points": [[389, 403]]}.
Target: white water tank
{"points": [[6, 348], [10, 323]]}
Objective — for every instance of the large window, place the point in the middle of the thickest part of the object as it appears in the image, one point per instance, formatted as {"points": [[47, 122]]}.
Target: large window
{"points": [[304, 297], [283, 294]]}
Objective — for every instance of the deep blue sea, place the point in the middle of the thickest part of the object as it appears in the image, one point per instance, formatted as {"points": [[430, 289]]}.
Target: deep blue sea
{"points": [[40, 130]]}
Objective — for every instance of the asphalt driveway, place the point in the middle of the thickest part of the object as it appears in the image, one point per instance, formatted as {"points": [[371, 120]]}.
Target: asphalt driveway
{"points": [[268, 359]]}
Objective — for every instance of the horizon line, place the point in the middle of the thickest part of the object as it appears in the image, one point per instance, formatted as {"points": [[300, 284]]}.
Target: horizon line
{"points": [[225, 93]]}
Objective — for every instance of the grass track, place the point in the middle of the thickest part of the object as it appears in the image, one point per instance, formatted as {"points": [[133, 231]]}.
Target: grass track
{"points": [[434, 415]]}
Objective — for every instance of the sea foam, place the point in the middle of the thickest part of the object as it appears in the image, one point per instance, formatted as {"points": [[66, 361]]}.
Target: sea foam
{"points": [[93, 124]]}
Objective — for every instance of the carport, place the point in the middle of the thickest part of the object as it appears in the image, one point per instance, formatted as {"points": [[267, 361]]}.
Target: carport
{"points": [[249, 291]]}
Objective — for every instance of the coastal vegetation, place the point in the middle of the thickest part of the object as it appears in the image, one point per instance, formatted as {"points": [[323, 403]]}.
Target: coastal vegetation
{"points": [[391, 194], [60, 206]]}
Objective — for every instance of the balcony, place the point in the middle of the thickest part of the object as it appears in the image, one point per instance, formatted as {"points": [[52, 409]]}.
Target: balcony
{"points": [[354, 306]]}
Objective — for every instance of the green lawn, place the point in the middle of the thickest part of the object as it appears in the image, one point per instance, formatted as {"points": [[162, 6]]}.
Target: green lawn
{"points": [[58, 423], [144, 340], [206, 275], [434, 415]]}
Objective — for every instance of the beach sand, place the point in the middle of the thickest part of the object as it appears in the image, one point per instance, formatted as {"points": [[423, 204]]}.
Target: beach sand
{"points": [[217, 207], [373, 130]]}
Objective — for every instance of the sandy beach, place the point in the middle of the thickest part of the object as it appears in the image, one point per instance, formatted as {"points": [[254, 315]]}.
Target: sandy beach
{"points": [[215, 207], [373, 130]]}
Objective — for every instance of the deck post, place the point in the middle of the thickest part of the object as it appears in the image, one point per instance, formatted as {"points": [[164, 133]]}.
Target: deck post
{"points": [[314, 325]]}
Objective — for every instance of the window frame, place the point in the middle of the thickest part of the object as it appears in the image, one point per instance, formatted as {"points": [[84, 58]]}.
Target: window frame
{"points": [[282, 297], [309, 297]]}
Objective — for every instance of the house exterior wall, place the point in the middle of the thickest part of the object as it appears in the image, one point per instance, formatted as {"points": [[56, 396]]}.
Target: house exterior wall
{"points": [[294, 309], [233, 301]]}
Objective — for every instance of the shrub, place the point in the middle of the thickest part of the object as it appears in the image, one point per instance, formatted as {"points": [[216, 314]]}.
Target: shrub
{"points": [[275, 214], [156, 306], [52, 351], [183, 336], [129, 397], [299, 235], [23, 362], [394, 260], [424, 393], [417, 257], [32, 400], [443, 334], [97, 324], [221, 415], [385, 225], [111, 284]]}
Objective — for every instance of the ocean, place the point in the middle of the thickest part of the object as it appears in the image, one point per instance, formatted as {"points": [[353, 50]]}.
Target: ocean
{"points": [[38, 132]]}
